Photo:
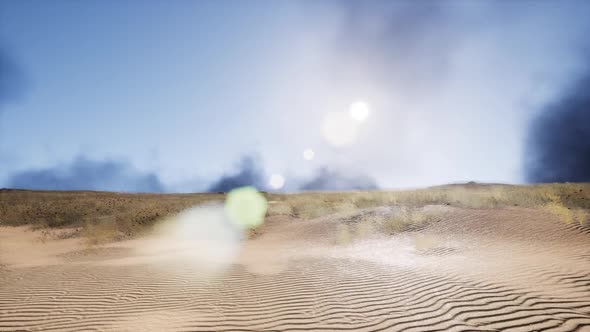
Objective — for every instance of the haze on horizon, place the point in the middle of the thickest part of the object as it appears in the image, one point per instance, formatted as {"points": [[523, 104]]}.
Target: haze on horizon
{"points": [[300, 95]]}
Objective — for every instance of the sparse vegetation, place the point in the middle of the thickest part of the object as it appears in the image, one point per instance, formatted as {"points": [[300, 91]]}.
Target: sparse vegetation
{"points": [[103, 216], [98, 216], [582, 217], [279, 209], [347, 233], [101, 232], [477, 196], [309, 208], [405, 219], [564, 213]]}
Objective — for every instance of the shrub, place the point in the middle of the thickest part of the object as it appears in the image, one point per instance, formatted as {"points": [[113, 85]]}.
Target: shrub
{"points": [[406, 219]]}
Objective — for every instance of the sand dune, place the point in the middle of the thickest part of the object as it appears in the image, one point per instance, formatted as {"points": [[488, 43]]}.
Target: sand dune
{"points": [[508, 269]]}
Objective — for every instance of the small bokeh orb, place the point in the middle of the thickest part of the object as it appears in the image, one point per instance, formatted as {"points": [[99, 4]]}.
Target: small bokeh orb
{"points": [[359, 111], [245, 207], [276, 181], [308, 154]]}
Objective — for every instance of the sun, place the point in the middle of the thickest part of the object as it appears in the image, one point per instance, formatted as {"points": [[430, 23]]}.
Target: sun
{"points": [[359, 111], [276, 181]]}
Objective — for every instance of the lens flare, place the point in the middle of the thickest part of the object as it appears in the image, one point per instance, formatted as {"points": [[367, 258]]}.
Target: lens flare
{"points": [[277, 181], [359, 111], [339, 129], [246, 207], [308, 154]]}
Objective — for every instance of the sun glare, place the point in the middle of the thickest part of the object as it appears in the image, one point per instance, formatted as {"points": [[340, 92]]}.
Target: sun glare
{"points": [[277, 181], [308, 154], [359, 111]]}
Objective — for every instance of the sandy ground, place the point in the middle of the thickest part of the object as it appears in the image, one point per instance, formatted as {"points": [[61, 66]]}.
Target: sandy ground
{"points": [[475, 270]]}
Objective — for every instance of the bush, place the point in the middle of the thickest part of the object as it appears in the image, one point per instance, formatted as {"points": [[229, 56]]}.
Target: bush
{"points": [[406, 219]]}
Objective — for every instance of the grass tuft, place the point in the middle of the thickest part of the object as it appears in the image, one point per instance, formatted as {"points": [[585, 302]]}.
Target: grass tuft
{"points": [[406, 219]]}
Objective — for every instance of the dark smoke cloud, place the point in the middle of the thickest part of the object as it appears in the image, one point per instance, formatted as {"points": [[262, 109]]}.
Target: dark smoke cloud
{"points": [[249, 173], [83, 173], [86, 174], [558, 146], [329, 179]]}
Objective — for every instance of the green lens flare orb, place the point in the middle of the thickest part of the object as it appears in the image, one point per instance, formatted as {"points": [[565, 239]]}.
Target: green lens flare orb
{"points": [[245, 207]]}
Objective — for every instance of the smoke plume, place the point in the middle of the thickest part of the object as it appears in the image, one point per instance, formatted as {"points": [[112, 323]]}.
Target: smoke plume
{"points": [[329, 179], [558, 147], [249, 173], [86, 174]]}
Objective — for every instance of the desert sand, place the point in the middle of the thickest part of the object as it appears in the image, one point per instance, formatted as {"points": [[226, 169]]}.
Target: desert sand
{"points": [[503, 269]]}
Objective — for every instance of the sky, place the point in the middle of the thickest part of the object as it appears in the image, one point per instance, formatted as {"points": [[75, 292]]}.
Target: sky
{"points": [[182, 96]]}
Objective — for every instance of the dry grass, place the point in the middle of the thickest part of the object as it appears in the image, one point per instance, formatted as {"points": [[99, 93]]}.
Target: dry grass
{"points": [[103, 216], [399, 220], [57, 234], [569, 202], [405, 219], [478, 196], [99, 216], [308, 208], [583, 218], [279, 209], [101, 232], [348, 233], [566, 214]]}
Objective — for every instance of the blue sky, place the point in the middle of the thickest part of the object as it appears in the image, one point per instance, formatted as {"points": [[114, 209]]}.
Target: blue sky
{"points": [[184, 89]]}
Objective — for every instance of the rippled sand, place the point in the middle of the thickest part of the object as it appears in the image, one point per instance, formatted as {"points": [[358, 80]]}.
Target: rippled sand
{"points": [[475, 270]]}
